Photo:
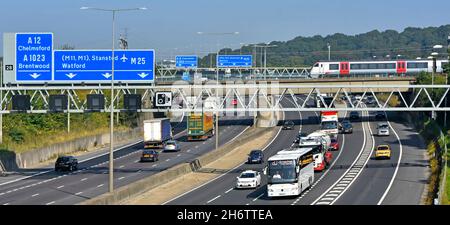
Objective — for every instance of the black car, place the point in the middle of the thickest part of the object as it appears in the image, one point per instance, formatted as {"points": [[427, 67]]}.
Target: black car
{"points": [[346, 127], [380, 115], [299, 135], [288, 125], [354, 115], [66, 163], [150, 155], [255, 156]]}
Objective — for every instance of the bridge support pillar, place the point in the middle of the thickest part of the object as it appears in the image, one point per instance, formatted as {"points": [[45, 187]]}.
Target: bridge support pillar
{"points": [[267, 119]]}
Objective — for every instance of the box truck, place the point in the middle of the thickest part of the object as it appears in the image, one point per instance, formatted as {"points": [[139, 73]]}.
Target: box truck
{"points": [[157, 132], [200, 126]]}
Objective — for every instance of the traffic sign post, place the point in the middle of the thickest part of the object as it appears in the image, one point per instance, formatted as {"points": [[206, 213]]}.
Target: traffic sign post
{"points": [[33, 59], [234, 60], [186, 61], [73, 66]]}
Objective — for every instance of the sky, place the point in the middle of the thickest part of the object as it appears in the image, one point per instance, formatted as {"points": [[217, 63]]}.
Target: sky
{"points": [[170, 26]]}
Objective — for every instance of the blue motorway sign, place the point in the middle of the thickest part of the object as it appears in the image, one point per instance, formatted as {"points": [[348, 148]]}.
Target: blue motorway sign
{"points": [[34, 56], [95, 65], [234, 61], [186, 61]]}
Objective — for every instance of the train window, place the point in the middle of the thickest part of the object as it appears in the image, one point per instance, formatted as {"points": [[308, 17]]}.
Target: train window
{"points": [[334, 66], [412, 65], [422, 65], [373, 66], [390, 66], [316, 65], [382, 66], [354, 66], [364, 66]]}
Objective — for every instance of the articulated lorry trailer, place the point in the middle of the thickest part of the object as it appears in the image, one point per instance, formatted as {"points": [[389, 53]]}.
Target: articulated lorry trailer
{"points": [[200, 126], [157, 132]]}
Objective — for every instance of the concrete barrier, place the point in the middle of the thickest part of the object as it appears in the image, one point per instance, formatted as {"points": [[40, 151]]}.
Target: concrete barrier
{"points": [[11, 161], [128, 191]]}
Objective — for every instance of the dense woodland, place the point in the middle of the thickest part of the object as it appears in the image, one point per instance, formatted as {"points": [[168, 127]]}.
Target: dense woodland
{"points": [[410, 44]]}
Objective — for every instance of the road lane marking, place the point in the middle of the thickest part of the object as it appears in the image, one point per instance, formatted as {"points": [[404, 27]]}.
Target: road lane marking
{"points": [[35, 195], [338, 185], [122, 166], [51, 170], [167, 160], [49, 203], [178, 155], [223, 173], [398, 163], [136, 161], [83, 179], [258, 197], [226, 192], [79, 193], [188, 150], [120, 178], [100, 185], [6, 203], [213, 199]]}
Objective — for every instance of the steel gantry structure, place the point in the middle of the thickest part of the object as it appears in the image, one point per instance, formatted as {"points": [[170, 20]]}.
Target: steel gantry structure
{"points": [[250, 97]]}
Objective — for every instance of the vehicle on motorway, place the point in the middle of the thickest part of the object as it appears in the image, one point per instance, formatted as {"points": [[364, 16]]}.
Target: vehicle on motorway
{"points": [[327, 101], [248, 179], [329, 122], [346, 127], [255, 156], [234, 102], [299, 136], [354, 115], [321, 144], [200, 126], [157, 132], [379, 115], [149, 155], [172, 145], [383, 129], [334, 144], [383, 151], [69, 163], [288, 125], [370, 101], [289, 172], [390, 67]]}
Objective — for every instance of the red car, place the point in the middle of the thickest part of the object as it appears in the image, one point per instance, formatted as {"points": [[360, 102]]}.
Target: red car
{"points": [[334, 144], [234, 102]]}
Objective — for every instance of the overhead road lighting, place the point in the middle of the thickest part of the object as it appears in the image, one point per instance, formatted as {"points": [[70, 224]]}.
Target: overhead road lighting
{"points": [[111, 152]]}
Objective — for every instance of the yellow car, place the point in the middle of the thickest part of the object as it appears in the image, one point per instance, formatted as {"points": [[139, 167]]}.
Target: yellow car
{"points": [[383, 151]]}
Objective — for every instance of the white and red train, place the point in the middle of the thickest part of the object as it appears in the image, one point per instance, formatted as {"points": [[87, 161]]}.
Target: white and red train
{"points": [[324, 69]]}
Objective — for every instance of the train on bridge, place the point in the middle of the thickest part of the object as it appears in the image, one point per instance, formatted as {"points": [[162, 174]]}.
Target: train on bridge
{"points": [[399, 67]]}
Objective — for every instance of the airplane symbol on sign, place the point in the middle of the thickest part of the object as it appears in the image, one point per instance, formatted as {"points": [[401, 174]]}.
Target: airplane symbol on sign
{"points": [[124, 58]]}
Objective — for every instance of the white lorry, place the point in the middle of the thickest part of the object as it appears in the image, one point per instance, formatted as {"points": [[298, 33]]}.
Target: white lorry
{"points": [[157, 132], [329, 122]]}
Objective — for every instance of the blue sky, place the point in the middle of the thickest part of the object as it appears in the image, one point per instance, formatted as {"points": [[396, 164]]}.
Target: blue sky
{"points": [[170, 26]]}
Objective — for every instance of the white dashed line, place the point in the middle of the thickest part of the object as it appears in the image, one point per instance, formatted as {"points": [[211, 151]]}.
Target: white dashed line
{"points": [[6, 203], [188, 150], [83, 179], [226, 192], [122, 166], [35, 195], [100, 185], [2, 194], [258, 197], [79, 193], [178, 155], [213, 199], [120, 178], [155, 165], [167, 160], [136, 161], [52, 202]]}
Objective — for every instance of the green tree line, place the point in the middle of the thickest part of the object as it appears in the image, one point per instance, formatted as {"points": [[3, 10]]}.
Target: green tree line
{"points": [[305, 51]]}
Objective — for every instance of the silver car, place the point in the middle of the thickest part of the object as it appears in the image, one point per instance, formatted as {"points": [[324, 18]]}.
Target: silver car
{"points": [[383, 129], [171, 146]]}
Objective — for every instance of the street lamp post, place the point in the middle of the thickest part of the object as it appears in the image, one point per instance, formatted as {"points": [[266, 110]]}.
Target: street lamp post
{"points": [[111, 107], [217, 80], [329, 51]]}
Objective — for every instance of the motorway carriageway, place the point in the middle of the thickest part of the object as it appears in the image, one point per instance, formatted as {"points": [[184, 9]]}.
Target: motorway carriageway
{"points": [[91, 179], [345, 181]]}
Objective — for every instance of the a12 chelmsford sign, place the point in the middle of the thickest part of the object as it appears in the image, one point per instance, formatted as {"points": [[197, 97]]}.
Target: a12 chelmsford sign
{"points": [[34, 56]]}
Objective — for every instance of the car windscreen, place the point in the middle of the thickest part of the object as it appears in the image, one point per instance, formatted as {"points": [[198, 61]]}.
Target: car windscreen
{"points": [[255, 154], [63, 159], [385, 126], [148, 152], [247, 175], [383, 148]]}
